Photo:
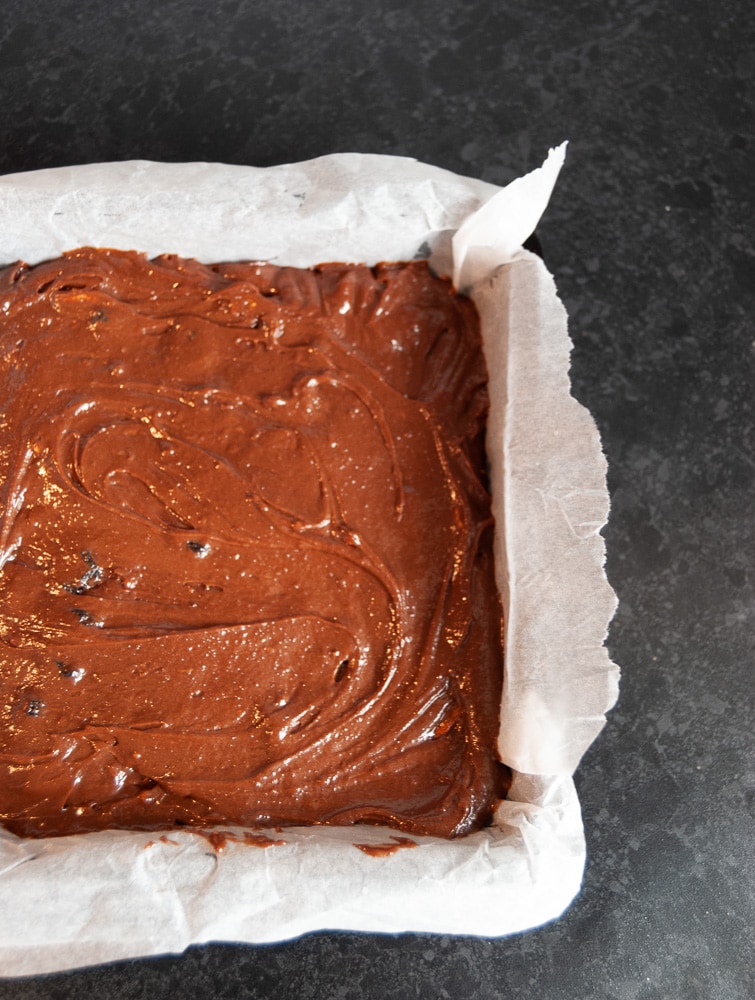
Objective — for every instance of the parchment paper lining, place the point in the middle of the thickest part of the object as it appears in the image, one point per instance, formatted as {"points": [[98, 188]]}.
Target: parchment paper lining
{"points": [[67, 902]]}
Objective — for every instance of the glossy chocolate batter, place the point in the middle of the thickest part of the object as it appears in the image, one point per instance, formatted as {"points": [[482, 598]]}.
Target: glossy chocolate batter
{"points": [[246, 572]]}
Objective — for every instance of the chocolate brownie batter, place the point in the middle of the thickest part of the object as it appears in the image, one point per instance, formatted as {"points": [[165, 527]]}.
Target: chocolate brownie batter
{"points": [[246, 569]]}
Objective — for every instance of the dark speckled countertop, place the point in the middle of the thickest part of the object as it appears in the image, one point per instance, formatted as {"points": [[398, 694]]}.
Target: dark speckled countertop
{"points": [[650, 238]]}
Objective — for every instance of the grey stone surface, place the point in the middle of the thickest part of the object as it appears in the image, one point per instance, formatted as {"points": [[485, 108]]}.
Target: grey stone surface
{"points": [[650, 237]]}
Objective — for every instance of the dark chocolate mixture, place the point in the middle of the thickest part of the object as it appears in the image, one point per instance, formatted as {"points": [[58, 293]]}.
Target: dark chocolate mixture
{"points": [[246, 571]]}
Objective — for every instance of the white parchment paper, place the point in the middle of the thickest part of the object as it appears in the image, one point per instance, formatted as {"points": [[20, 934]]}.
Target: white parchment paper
{"points": [[72, 901]]}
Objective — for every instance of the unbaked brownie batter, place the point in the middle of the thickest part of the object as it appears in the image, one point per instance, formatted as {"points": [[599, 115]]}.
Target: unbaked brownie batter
{"points": [[246, 570]]}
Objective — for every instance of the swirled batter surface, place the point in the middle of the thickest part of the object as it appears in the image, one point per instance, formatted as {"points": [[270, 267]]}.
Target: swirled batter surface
{"points": [[246, 571]]}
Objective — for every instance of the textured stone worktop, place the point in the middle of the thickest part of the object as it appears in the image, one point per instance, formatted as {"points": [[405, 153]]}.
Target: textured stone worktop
{"points": [[650, 237]]}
